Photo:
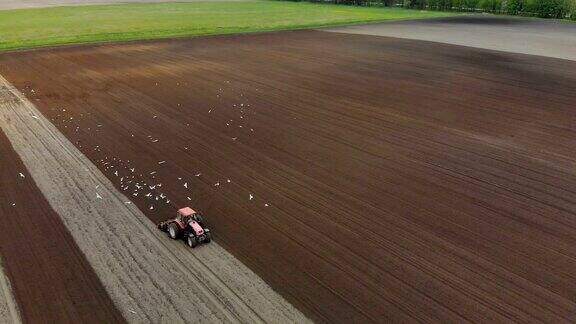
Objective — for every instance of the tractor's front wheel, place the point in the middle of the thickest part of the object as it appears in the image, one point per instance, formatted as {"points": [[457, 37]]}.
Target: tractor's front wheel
{"points": [[173, 231], [198, 218], [208, 238], [192, 242]]}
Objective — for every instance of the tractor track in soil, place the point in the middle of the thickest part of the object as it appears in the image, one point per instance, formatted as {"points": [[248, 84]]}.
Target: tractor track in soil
{"points": [[148, 277], [372, 179]]}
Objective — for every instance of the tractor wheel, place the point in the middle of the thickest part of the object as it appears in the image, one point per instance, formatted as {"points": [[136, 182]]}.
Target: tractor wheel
{"points": [[208, 237], [173, 231], [192, 242]]}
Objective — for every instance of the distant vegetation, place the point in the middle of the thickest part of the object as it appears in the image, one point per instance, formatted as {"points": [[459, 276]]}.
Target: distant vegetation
{"points": [[560, 9], [26, 28]]}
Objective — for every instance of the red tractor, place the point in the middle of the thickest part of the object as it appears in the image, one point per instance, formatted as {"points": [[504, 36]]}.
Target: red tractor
{"points": [[189, 226]]}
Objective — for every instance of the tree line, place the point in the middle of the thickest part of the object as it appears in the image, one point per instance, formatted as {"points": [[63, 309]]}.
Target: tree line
{"points": [[560, 9]]}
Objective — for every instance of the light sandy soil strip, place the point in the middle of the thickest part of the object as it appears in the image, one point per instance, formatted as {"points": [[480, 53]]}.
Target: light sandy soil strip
{"points": [[8, 307], [509, 34], [150, 278]]}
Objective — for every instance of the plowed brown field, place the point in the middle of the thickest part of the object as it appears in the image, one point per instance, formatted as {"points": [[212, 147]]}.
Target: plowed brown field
{"points": [[51, 280], [365, 178]]}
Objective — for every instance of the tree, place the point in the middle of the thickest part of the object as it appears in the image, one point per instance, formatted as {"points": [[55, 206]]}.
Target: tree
{"points": [[515, 7], [551, 8]]}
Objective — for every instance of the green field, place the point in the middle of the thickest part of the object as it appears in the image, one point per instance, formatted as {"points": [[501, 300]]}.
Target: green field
{"points": [[26, 28]]}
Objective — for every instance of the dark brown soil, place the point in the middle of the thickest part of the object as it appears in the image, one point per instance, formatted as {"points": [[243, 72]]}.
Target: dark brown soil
{"points": [[405, 180], [51, 280]]}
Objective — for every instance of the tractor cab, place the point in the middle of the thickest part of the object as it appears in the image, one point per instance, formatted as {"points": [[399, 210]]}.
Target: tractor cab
{"points": [[185, 215]]}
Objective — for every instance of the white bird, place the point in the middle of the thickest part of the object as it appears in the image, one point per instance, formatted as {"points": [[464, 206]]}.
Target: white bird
{"points": [[98, 196], [266, 205], [152, 207], [217, 184], [251, 197], [22, 175], [198, 174], [161, 162]]}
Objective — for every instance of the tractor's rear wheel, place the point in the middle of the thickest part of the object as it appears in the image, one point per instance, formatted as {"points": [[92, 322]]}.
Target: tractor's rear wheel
{"points": [[173, 231], [192, 242], [208, 238]]}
